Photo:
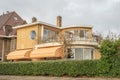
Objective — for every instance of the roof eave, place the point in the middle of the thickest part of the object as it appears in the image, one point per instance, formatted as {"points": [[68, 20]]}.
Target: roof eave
{"points": [[35, 23]]}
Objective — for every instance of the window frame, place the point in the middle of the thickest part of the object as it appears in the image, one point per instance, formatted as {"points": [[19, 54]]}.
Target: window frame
{"points": [[83, 53]]}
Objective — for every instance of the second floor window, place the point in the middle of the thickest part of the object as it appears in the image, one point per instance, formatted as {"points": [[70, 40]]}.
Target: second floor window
{"points": [[15, 18], [77, 34], [49, 35]]}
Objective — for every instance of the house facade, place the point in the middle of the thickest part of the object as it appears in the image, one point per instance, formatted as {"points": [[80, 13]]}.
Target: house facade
{"points": [[7, 33], [40, 40]]}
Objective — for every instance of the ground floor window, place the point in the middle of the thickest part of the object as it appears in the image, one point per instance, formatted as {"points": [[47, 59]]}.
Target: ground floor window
{"points": [[81, 53]]}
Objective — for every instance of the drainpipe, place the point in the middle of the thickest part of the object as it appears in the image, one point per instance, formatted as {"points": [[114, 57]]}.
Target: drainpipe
{"points": [[3, 51]]}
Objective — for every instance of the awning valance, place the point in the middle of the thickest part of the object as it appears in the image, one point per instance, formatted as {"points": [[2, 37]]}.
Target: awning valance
{"points": [[19, 54], [47, 52]]}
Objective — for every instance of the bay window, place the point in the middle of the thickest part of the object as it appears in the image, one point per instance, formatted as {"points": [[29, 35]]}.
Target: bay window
{"points": [[49, 35], [82, 53]]}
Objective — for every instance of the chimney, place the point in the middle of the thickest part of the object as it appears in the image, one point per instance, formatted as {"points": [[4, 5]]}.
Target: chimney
{"points": [[34, 19], [24, 22], [7, 12], [59, 21]]}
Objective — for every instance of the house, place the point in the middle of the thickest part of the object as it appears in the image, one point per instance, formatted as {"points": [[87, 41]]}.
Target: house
{"points": [[7, 33], [40, 40]]}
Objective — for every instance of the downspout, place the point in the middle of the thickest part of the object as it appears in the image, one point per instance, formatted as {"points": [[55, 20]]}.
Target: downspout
{"points": [[41, 36], [37, 35], [3, 50]]}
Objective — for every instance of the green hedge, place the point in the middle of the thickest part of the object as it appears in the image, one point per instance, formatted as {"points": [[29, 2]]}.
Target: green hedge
{"points": [[57, 68]]}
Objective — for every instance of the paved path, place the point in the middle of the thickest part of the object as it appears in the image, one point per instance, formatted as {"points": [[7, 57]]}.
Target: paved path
{"points": [[49, 78]]}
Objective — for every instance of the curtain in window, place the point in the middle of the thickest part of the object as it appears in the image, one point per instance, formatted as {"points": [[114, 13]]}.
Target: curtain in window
{"points": [[79, 53], [49, 35], [83, 53], [87, 53]]}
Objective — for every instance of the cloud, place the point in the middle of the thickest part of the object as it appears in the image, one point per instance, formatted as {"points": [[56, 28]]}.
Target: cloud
{"points": [[103, 15]]}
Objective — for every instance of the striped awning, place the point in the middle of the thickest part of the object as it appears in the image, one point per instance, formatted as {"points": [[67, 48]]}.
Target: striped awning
{"points": [[47, 52], [19, 54]]}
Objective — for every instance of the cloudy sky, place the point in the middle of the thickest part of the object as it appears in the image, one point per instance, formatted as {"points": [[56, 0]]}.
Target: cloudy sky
{"points": [[103, 15]]}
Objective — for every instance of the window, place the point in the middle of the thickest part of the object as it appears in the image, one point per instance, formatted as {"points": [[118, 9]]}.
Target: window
{"points": [[32, 35], [83, 53], [87, 53], [86, 34], [77, 35], [79, 53], [7, 29], [81, 33], [49, 35], [15, 18], [76, 32], [68, 34]]}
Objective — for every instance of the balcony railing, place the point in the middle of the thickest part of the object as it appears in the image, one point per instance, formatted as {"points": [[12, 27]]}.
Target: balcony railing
{"points": [[83, 42]]}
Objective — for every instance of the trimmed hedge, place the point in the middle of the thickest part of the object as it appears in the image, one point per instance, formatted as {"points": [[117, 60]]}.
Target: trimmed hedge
{"points": [[58, 68]]}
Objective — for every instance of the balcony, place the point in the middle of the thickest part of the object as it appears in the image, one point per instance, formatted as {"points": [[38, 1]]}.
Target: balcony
{"points": [[85, 42], [75, 42]]}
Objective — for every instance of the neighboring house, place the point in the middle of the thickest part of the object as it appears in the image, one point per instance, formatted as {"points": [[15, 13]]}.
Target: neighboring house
{"points": [[7, 33], [40, 40]]}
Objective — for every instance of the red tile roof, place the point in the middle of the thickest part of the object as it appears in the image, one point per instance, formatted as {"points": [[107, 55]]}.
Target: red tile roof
{"points": [[8, 19], [4, 18]]}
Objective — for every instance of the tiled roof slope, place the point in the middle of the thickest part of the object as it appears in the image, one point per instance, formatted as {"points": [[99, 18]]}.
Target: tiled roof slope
{"points": [[4, 18], [8, 19]]}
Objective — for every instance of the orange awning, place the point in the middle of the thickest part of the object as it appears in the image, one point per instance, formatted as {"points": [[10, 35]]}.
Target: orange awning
{"points": [[47, 52], [19, 54]]}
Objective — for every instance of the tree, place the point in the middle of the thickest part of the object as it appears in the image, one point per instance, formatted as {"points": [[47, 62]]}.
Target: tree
{"points": [[108, 50], [118, 48], [109, 54], [66, 42]]}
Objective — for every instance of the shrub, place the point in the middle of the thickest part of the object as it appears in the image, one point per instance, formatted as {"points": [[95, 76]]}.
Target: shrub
{"points": [[110, 57], [55, 68], [72, 68]]}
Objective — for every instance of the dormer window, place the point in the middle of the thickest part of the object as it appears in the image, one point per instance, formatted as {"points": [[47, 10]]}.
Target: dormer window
{"points": [[7, 29], [15, 18]]}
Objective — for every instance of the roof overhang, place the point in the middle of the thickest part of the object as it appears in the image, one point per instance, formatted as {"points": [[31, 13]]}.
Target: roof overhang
{"points": [[82, 26], [44, 23], [35, 23]]}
